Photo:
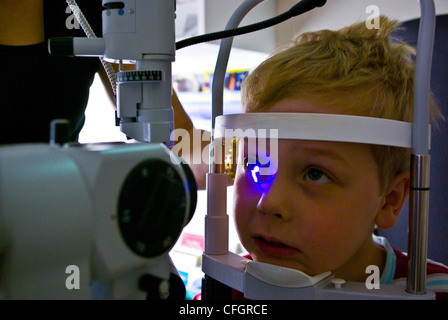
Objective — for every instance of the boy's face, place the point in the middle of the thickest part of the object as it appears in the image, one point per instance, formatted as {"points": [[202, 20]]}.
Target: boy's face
{"points": [[317, 212]]}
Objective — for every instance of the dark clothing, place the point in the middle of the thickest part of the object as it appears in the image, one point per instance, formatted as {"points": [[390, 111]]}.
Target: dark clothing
{"points": [[37, 87]]}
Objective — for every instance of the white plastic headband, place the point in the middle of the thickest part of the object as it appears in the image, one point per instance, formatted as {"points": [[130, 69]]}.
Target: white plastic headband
{"points": [[316, 126]]}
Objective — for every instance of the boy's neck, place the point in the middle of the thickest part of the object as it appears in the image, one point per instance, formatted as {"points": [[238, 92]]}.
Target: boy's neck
{"points": [[355, 268]]}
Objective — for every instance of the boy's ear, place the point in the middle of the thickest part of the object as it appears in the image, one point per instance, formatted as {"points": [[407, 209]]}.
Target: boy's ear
{"points": [[394, 197]]}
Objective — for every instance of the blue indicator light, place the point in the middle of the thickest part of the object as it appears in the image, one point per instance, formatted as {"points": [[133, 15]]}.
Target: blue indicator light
{"points": [[261, 171], [120, 12], [254, 172]]}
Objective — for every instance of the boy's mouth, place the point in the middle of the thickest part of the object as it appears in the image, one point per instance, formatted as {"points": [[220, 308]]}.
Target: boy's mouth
{"points": [[273, 247]]}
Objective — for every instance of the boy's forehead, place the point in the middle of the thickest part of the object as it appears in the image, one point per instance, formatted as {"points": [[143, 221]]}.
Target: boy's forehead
{"points": [[299, 105], [341, 157], [332, 149]]}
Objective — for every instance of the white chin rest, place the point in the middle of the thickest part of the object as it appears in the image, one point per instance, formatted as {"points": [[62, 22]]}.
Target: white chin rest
{"points": [[315, 126]]}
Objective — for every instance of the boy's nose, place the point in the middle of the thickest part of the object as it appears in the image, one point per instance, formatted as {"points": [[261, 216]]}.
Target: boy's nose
{"points": [[273, 201]]}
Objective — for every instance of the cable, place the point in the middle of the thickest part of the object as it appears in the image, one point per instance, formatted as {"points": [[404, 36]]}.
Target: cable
{"points": [[226, 45], [91, 34], [301, 7], [223, 58], [422, 78]]}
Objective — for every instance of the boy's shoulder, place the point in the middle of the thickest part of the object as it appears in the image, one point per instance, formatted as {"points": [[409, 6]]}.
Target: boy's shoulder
{"points": [[402, 265]]}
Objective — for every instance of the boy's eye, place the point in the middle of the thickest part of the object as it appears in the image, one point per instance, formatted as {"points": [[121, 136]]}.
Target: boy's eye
{"points": [[251, 164], [317, 176], [257, 170]]}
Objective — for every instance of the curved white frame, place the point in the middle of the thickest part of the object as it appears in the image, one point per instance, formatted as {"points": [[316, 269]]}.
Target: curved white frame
{"points": [[317, 126]]}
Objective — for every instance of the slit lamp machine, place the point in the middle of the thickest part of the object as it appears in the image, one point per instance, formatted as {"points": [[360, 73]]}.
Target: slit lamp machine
{"points": [[113, 211]]}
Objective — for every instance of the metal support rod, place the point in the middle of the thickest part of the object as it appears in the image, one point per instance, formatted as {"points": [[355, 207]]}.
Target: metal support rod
{"points": [[216, 220], [420, 160], [221, 68], [418, 224]]}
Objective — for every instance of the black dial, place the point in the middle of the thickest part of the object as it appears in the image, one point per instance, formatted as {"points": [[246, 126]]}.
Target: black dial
{"points": [[140, 76], [152, 208]]}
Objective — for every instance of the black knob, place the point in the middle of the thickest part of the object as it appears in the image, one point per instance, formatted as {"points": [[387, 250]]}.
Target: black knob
{"points": [[61, 46], [152, 208]]}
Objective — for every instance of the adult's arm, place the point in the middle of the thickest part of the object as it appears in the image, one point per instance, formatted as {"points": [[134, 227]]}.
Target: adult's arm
{"points": [[21, 22]]}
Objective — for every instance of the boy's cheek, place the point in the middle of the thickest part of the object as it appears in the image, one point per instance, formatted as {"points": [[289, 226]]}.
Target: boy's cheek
{"points": [[244, 208], [244, 185], [242, 223]]}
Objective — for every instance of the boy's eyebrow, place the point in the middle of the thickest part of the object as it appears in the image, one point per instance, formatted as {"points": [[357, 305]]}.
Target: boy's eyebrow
{"points": [[327, 154]]}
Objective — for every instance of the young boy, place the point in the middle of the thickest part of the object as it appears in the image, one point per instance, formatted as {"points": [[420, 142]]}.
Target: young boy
{"points": [[320, 209]]}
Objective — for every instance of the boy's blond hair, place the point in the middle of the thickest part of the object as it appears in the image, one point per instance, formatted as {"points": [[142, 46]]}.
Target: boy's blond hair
{"points": [[356, 70]]}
